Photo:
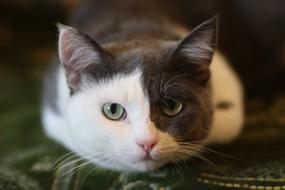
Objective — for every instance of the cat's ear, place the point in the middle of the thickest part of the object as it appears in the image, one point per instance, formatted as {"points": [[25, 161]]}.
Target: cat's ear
{"points": [[194, 54], [78, 52]]}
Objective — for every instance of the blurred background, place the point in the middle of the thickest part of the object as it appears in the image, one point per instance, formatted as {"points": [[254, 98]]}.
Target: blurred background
{"points": [[252, 36]]}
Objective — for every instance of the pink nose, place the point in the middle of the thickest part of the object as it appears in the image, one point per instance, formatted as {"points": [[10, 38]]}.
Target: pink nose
{"points": [[147, 145]]}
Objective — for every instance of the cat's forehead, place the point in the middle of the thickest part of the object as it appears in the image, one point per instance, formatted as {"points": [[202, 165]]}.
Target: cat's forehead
{"points": [[152, 59], [121, 87]]}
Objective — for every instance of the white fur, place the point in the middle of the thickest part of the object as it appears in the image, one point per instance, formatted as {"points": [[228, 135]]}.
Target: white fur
{"points": [[226, 86], [81, 126], [54, 124], [111, 144]]}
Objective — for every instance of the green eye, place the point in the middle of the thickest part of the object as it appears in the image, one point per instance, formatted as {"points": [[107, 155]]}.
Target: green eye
{"points": [[114, 111], [172, 107]]}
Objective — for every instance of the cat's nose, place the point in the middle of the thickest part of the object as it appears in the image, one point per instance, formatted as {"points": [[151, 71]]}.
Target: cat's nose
{"points": [[147, 145]]}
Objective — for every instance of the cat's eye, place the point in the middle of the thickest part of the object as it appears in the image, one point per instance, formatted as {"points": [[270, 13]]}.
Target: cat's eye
{"points": [[172, 107], [114, 111]]}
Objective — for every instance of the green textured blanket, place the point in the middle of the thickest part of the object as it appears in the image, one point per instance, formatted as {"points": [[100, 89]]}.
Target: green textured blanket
{"points": [[29, 161]]}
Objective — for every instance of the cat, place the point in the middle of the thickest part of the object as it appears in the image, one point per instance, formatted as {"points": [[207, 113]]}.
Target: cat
{"points": [[134, 88]]}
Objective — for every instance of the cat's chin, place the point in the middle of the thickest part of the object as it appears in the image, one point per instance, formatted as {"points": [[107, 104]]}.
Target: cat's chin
{"points": [[145, 165]]}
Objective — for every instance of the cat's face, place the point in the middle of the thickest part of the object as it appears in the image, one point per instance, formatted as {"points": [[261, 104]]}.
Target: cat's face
{"points": [[140, 104]]}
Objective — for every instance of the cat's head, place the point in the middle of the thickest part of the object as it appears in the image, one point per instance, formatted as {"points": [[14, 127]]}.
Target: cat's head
{"points": [[137, 105]]}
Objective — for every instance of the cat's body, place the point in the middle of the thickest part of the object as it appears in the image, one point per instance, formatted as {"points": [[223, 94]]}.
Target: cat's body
{"points": [[144, 65]]}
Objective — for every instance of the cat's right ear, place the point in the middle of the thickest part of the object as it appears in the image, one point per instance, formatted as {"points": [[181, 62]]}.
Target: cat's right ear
{"points": [[77, 52], [194, 53]]}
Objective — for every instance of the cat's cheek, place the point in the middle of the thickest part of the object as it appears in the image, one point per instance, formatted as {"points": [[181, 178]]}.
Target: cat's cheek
{"points": [[97, 136], [79, 122]]}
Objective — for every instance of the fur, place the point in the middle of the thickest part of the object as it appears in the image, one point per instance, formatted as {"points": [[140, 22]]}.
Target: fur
{"points": [[135, 67]]}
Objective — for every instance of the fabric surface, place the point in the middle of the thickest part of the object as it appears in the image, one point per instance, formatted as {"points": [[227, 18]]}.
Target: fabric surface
{"points": [[29, 160]]}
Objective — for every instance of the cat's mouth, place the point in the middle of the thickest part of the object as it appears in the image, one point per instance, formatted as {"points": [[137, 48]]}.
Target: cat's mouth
{"points": [[148, 163], [147, 157]]}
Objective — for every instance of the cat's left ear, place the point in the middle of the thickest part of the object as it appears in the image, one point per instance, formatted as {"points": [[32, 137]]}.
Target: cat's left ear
{"points": [[79, 55], [194, 54]]}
